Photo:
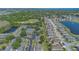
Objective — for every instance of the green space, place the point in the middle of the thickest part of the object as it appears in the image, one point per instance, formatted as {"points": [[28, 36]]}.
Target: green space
{"points": [[43, 37], [34, 20], [34, 43], [30, 21], [25, 42], [2, 46], [17, 43], [9, 38], [4, 25], [23, 33]]}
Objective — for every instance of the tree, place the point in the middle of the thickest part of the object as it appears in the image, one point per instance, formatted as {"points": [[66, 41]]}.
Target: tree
{"points": [[9, 38], [3, 47], [42, 38], [2, 30], [17, 43], [49, 46], [23, 32]]}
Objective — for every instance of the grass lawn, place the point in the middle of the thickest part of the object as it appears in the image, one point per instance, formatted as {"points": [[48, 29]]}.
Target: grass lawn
{"points": [[4, 23], [17, 43], [45, 46], [76, 20], [33, 43], [2, 46], [31, 21]]}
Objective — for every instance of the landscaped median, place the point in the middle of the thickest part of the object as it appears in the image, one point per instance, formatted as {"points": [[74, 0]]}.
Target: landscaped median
{"points": [[43, 37]]}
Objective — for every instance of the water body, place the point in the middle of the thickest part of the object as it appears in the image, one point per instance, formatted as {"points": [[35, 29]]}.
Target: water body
{"points": [[73, 26], [12, 29], [27, 9]]}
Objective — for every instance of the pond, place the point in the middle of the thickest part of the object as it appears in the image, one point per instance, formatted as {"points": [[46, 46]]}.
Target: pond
{"points": [[73, 26], [12, 29]]}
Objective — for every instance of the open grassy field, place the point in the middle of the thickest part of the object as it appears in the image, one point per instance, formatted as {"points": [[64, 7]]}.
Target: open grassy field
{"points": [[76, 20], [4, 23], [31, 21]]}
